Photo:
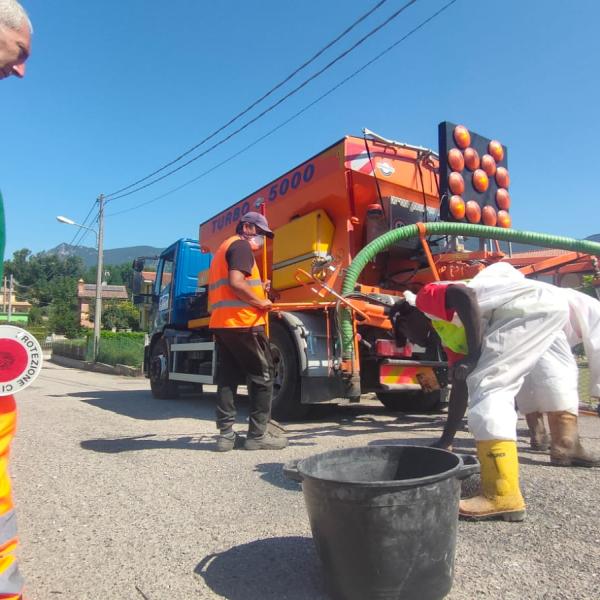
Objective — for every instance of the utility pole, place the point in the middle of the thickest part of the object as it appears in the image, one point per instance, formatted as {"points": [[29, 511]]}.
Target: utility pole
{"points": [[99, 267], [10, 296]]}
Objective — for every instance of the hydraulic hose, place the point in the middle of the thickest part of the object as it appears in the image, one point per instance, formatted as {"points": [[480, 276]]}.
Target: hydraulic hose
{"points": [[389, 238]]}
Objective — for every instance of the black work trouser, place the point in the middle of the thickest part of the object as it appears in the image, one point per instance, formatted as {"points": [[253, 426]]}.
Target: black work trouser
{"points": [[244, 356]]}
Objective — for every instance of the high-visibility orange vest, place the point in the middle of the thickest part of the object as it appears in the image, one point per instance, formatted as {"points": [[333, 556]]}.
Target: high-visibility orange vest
{"points": [[226, 309], [11, 581]]}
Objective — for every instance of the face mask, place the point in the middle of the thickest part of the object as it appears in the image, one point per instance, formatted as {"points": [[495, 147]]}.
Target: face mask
{"points": [[256, 241]]}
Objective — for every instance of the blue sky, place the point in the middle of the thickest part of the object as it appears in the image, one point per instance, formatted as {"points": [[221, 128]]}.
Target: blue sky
{"points": [[115, 89]]}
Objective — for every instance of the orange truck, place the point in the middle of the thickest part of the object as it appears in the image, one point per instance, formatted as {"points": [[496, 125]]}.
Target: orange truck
{"points": [[323, 213]]}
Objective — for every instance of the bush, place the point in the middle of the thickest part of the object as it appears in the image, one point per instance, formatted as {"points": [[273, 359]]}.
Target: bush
{"points": [[121, 335], [120, 315], [39, 332], [35, 317], [123, 348], [76, 349]]}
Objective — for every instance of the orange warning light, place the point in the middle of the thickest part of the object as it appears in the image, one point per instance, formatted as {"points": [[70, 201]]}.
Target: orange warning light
{"points": [[489, 216], [456, 160], [488, 164], [471, 159], [502, 177], [480, 180], [473, 211], [456, 183], [473, 174], [496, 150], [504, 219], [457, 207], [462, 137], [503, 199]]}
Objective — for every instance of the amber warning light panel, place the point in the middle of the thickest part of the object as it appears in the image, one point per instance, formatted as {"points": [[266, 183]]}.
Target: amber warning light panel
{"points": [[474, 178]]}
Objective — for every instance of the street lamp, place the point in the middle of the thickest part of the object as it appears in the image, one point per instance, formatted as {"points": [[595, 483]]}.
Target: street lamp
{"points": [[99, 245], [67, 221]]}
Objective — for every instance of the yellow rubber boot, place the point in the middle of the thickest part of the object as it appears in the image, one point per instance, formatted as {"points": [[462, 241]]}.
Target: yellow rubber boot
{"points": [[501, 496]]}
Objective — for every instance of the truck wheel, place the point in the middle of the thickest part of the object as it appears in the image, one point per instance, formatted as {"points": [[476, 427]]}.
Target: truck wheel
{"points": [[286, 389], [161, 387], [410, 401]]}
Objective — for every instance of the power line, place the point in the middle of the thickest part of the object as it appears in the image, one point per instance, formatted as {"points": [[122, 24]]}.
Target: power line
{"points": [[273, 106], [258, 101], [79, 231], [21, 284], [84, 232], [84, 221], [293, 117]]}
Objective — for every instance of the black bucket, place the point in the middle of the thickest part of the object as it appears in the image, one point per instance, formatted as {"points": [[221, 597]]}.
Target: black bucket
{"points": [[384, 519]]}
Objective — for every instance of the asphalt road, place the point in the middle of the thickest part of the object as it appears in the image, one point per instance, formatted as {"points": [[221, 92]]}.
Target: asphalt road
{"points": [[121, 496]]}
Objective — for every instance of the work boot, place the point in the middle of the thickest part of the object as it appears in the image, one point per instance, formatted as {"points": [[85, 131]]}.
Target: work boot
{"points": [[566, 449], [267, 441], [276, 428], [539, 438], [501, 496], [228, 440]]}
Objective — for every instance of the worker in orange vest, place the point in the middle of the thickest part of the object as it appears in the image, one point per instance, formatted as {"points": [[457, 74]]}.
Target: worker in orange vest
{"points": [[238, 303], [15, 45]]}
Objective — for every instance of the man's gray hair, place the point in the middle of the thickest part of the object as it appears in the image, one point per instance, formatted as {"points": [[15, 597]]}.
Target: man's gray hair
{"points": [[13, 15]]}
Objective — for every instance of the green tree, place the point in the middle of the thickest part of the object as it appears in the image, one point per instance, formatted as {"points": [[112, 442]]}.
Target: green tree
{"points": [[117, 274], [64, 308], [35, 316], [49, 283], [587, 286], [119, 314], [37, 274]]}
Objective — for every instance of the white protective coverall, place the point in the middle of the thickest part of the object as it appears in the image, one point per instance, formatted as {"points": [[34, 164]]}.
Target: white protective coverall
{"points": [[523, 329], [545, 384], [584, 327]]}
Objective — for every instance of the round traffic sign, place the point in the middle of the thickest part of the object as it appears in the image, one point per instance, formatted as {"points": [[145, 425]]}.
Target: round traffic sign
{"points": [[20, 359]]}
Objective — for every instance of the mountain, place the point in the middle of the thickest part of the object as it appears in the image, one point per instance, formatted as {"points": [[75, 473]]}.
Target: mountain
{"points": [[116, 256], [473, 244], [529, 248]]}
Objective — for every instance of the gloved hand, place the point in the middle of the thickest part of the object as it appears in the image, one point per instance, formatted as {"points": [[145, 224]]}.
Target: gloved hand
{"points": [[266, 305]]}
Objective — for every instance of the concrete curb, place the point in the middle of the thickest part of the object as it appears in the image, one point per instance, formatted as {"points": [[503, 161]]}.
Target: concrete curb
{"points": [[85, 365]]}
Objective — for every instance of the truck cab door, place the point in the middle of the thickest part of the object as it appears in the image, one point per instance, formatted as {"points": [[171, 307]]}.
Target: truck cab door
{"points": [[164, 285]]}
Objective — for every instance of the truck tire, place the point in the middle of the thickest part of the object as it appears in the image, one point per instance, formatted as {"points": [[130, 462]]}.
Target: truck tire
{"points": [[286, 389], [411, 401], [161, 387]]}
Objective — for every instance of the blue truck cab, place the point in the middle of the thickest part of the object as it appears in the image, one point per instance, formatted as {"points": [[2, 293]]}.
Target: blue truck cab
{"points": [[178, 297], [172, 301]]}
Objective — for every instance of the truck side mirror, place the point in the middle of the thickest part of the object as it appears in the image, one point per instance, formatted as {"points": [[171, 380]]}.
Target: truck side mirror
{"points": [[137, 282]]}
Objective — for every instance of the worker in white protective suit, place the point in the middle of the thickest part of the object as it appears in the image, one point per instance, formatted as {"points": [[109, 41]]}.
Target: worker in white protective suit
{"points": [[583, 326], [510, 326]]}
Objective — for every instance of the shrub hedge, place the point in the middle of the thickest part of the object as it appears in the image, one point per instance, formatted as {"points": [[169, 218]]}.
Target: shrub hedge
{"points": [[125, 348]]}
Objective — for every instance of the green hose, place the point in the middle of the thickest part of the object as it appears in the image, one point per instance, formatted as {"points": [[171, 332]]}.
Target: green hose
{"points": [[441, 227]]}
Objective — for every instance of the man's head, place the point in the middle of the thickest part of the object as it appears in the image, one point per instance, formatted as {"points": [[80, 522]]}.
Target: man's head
{"points": [[15, 39], [254, 227], [410, 323]]}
